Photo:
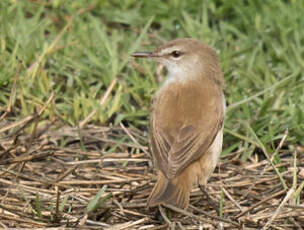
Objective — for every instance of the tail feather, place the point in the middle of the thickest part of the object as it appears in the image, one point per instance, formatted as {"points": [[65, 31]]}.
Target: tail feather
{"points": [[175, 192]]}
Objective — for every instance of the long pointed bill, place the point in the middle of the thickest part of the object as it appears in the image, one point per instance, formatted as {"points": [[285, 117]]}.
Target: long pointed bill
{"points": [[143, 54]]}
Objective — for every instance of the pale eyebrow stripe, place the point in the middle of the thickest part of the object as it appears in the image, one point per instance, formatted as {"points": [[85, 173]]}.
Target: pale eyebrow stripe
{"points": [[167, 50]]}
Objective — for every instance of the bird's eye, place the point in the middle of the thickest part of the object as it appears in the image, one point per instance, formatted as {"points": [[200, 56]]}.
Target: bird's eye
{"points": [[176, 54]]}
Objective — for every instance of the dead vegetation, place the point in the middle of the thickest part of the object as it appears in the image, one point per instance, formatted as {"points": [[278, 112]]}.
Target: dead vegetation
{"points": [[100, 177]]}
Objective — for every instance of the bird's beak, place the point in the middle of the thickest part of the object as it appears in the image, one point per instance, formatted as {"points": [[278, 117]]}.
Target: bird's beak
{"points": [[144, 54]]}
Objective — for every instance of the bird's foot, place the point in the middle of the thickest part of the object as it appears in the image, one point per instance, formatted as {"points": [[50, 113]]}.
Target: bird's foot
{"points": [[211, 201]]}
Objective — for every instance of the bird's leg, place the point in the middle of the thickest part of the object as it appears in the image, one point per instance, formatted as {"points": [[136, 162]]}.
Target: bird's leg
{"points": [[211, 201]]}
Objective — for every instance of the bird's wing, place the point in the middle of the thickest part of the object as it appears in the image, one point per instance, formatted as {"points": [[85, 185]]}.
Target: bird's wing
{"points": [[186, 138]]}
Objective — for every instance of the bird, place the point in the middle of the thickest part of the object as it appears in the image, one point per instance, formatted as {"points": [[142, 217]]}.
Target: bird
{"points": [[186, 121]]}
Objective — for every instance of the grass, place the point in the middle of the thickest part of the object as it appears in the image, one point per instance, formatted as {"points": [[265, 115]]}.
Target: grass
{"points": [[76, 49]]}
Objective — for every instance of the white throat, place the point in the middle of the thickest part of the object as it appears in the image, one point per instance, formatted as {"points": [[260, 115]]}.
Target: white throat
{"points": [[181, 72]]}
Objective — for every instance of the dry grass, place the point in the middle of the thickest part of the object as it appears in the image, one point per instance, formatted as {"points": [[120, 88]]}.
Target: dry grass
{"points": [[51, 177], [73, 69]]}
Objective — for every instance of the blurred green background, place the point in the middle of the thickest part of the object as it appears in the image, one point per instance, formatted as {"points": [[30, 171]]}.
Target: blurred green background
{"points": [[75, 48]]}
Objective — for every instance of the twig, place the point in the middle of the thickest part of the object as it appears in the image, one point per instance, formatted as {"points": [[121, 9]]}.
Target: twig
{"points": [[297, 225], [232, 200], [101, 102], [66, 173], [97, 223], [186, 213], [259, 203], [28, 120], [287, 197], [265, 167], [10, 102], [56, 215], [17, 123], [46, 104], [262, 146], [26, 158], [163, 214], [128, 225], [133, 139], [180, 226]]}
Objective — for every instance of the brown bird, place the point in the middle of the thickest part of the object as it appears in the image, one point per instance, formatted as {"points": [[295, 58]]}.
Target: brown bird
{"points": [[187, 119]]}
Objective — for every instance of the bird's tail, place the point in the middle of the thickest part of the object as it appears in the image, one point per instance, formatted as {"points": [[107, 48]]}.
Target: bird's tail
{"points": [[175, 191]]}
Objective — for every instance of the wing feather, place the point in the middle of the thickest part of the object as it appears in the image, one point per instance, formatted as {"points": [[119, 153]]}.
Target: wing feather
{"points": [[177, 143]]}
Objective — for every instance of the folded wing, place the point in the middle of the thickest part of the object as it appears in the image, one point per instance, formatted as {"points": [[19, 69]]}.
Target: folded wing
{"points": [[186, 130]]}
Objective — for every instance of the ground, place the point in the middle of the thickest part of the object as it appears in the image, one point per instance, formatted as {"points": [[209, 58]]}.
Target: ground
{"points": [[48, 184], [74, 113]]}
